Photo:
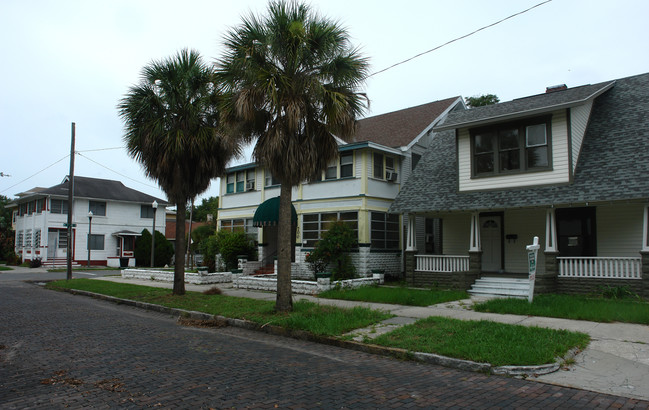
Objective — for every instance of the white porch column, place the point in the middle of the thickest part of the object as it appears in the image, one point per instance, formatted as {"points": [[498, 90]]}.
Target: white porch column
{"points": [[411, 244], [645, 230], [550, 231], [474, 244]]}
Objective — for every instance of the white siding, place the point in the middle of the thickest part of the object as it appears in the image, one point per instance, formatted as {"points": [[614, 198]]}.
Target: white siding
{"points": [[456, 230], [619, 230], [331, 189], [526, 224], [558, 174], [578, 121]]}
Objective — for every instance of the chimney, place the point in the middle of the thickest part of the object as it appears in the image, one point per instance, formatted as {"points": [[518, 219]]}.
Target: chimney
{"points": [[554, 88]]}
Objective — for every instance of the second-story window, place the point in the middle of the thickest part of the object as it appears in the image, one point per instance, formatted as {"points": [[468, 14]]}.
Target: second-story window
{"points": [[230, 183], [97, 208], [251, 177], [146, 211], [269, 179], [347, 165], [58, 206]]}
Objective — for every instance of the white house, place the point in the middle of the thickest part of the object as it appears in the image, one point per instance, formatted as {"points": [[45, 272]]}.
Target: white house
{"points": [[358, 188], [569, 166], [107, 217]]}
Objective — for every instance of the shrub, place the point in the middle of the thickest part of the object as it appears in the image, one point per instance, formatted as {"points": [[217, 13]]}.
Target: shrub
{"points": [[164, 250], [35, 263], [232, 244], [209, 247], [617, 292], [333, 249]]}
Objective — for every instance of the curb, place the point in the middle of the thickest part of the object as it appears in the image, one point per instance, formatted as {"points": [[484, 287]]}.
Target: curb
{"points": [[398, 353]]}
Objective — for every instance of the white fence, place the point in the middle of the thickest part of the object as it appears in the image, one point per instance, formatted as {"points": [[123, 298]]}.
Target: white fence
{"points": [[442, 263], [600, 267]]}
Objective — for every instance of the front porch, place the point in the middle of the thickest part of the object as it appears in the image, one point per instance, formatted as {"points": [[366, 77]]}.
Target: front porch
{"points": [[612, 264]]}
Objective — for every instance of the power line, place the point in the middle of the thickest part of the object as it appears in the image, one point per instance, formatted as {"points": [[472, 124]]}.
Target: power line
{"points": [[99, 149], [112, 170], [49, 166], [458, 38]]}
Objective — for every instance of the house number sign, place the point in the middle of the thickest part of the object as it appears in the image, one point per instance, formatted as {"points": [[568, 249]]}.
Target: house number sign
{"points": [[532, 254]]}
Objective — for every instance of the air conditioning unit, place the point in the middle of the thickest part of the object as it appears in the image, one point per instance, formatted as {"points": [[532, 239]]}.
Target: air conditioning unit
{"points": [[250, 186], [391, 176]]}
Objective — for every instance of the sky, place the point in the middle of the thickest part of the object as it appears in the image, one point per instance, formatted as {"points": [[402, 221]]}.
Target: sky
{"points": [[70, 61]]}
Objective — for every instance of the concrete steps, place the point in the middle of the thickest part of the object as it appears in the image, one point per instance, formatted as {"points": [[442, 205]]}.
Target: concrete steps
{"points": [[500, 287], [58, 263]]}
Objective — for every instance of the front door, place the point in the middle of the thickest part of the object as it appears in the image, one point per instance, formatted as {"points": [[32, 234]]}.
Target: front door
{"points": [[491, 239]]}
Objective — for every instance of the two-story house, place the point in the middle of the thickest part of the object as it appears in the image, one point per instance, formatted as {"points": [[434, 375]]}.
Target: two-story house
{"points": [[107, 218], [569, 166], [358, 188]]}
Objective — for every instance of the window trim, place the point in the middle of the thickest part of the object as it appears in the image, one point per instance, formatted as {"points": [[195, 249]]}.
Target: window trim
{"points": [[521, 126]]}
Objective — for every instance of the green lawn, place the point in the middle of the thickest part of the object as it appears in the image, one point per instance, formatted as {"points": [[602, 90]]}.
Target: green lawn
{"points": [[396, 295], [312, 317], [483, 341], [572, 307], [5, 268]]}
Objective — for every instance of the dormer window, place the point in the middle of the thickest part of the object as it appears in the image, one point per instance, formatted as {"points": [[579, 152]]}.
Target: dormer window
{"points": [[511, 148]]}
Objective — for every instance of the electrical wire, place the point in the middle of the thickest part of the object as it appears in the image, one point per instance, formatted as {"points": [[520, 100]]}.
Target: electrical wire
{"points": [[120, 174], [457, 39], [49, 166], [99, 149]]}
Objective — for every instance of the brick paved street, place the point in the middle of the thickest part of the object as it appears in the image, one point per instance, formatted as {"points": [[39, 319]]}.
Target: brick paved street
{"points": [[63, 351]]}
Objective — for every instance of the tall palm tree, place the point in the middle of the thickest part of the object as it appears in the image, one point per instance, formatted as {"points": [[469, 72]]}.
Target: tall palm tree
{"points": [[172, 129], [291, 80]]}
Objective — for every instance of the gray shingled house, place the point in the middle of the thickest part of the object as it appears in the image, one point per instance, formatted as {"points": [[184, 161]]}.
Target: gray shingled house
{"points": [[570, 166]]}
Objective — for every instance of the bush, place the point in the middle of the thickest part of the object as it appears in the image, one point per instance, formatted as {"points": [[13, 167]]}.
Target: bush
{"points": [[617, 292], [232, 244], [35, 263], [164, 250], [333, 249], [209, 247]]}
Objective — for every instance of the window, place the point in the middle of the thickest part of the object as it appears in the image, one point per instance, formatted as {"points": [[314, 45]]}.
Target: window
{"points": [[250, 180], [97, 208], [315, 225], [511, 148], [28, 238], [31, 206], [384, 233], [378, 166], [414, 161], [241, 181], [96, 242], [39, 205], [59, 206], [23, 209], [382, 164], [19, 240], [347, 165], [146, 211], [63, 238], [37, 238], [128, 243], [230, 183], [270, 180], [235, 225], [331, 171]]}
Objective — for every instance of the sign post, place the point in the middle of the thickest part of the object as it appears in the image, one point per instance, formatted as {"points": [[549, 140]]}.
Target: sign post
{"points": [[532, 253]]}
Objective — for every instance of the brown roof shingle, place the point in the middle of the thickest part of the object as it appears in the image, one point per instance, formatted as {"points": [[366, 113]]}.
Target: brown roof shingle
{"points": [[399, 128]]}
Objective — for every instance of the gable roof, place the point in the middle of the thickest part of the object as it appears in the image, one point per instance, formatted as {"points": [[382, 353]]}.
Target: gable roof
{"points": [[523, 107], [400, 128], [95, 188], [613, 163]]}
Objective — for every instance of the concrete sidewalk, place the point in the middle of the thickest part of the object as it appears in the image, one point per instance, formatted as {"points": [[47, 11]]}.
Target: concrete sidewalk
{"points": [[615, 362]]}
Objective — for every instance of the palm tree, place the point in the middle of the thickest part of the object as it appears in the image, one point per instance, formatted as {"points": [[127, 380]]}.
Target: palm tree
{"points": [[291, 80], [172, 129]]}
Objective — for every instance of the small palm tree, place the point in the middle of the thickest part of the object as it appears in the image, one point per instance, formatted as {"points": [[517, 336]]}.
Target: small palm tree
{"points": [[172, 129], [291, 80]]}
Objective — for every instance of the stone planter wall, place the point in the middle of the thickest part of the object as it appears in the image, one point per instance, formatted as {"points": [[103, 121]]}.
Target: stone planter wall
{"points": [[303, 287], [168, 276]]}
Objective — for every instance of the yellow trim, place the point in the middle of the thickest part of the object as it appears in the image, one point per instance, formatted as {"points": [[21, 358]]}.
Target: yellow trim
{"points": [[364, 176]]}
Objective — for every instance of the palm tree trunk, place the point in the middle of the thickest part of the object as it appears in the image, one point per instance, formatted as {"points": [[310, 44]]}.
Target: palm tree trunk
{"points": [[179, 265], [284, 302]]}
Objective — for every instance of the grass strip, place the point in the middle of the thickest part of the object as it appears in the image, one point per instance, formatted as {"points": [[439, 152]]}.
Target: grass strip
{"points": [[572, 307], [483, 341], [5, 268], [312, 317], [396, 295]]}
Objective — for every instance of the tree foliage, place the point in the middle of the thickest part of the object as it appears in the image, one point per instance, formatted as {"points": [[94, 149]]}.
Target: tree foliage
{"points": [[7, 234], [291, 81], [208, 206], [232, 244], [164, 250], [172, 128], [482, 100]]}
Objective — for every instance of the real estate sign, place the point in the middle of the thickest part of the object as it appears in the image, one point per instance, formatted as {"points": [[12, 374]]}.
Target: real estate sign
{"points": [[532, 254]]}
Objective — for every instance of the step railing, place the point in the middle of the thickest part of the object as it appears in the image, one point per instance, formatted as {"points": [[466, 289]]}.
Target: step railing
{"points": [[600, 267], [442, 263]]}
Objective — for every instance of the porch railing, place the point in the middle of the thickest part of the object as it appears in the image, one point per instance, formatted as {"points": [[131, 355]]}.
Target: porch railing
{"points": [[442, 263], [600, 267]]}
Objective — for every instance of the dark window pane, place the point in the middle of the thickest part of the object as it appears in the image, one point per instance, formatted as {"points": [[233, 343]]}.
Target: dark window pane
{"points": [[348, 216], [310, 217], [484, 163], [510, 160], [537, 157], [484, 143]]}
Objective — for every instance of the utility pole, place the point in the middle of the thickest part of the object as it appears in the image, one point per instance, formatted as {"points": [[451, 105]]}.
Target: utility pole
{"points": [[70, 199]]}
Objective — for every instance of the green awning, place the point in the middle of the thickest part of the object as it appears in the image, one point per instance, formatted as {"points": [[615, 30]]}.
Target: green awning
{"points": [[267, 213]]}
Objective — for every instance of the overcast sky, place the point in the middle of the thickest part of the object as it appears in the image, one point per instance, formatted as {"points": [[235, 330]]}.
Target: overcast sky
{"points": [[71, 61]]}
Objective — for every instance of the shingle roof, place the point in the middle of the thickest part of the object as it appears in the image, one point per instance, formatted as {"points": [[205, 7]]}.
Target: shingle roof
{"points": [[96, 188], [613, 163], [399, 128], [524, 106]]}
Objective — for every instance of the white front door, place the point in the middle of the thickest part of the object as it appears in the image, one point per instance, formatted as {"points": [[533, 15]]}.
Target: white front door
{"points": [[52, 244], [491, 239]]}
